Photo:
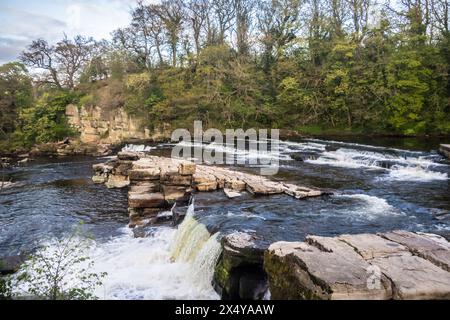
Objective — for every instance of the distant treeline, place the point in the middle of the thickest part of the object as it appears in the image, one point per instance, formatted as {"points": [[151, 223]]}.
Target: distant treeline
{"points": [[309, 65]]}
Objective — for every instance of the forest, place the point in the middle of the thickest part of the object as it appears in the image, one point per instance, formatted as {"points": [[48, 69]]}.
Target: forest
{"points": [[314, 66]]}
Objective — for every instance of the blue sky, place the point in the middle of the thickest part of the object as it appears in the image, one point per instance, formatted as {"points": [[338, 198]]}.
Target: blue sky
{"points": [[23, 21]]}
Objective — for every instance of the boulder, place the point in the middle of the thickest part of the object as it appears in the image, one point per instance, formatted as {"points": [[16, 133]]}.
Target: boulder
{"points": [[11, 264]]}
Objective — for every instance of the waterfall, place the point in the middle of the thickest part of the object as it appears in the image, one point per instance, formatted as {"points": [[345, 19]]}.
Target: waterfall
{"points": [[169, 264], [193, 244]]}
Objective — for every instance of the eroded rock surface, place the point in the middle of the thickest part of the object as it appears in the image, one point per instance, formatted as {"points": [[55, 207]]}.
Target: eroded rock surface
{"points": [[394, 265]]}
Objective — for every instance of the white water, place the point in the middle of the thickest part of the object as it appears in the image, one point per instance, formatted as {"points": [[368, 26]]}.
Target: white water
{"points": [[370, 207], [137, 148], [170, 264], [416, 173], [240, 154], [411, 168]]}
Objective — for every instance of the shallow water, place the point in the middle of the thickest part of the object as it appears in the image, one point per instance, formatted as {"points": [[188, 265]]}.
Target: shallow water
{"points": [[377, 186]]}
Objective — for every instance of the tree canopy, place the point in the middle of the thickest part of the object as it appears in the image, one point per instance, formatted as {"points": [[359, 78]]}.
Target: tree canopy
{"points": [[308, 65]]}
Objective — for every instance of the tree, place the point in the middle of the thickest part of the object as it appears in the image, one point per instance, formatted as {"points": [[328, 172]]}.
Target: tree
{"points": [[63, 62], [171, 13], [197, 13], [15, 94], [225, 14], [244, 10], [41, 55]]}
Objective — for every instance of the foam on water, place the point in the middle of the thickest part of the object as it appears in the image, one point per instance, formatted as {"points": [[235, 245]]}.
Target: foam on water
{"points": [[370, 207], [170, 264], [416, 173], [142, 269], [241, 154], [405, 168], [137, 148], [366, 146]]}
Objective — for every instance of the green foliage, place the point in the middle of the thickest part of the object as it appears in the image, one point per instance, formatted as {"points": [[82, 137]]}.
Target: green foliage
{"points": [[327, 73], [5, 288], [46, 121], [15, 93], [61, 270]]}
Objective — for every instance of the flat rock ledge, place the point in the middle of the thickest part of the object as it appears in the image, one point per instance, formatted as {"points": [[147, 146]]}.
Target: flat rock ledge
{"points": [[395, 265], [157, 183]]}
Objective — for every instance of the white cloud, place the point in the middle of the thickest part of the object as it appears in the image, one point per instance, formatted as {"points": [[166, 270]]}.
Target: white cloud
{"points": [[21, 23]]}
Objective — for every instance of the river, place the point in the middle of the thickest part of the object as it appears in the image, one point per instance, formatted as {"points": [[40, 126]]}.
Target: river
{"points": [[377, 184]]}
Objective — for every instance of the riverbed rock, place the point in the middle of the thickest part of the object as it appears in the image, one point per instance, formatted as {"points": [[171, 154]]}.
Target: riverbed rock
{"points": [[11, 264], [145, 187], [395, 265], [259, 186], [232, 194], [153, 200], [322, 269], [176, 179], [123, 167], [145, 174], [100, 178], [444, 149], [431, 247], [187, 168], [128, 156], [239, 273], [103, 168], [173, 194], [117, 182]]}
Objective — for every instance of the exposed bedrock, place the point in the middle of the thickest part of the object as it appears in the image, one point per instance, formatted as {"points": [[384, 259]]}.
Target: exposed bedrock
{"points": [[155, 184], [239, 273], [394, 265], [444, 149]]}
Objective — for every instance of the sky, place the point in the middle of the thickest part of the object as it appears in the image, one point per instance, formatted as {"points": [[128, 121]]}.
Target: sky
{"points": [[22, 21]]}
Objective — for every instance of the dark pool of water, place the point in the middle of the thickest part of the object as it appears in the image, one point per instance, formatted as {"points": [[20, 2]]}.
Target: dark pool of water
{"points": [[51, 198]]}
